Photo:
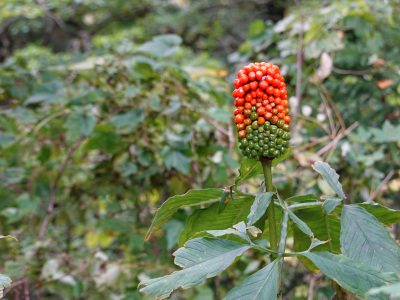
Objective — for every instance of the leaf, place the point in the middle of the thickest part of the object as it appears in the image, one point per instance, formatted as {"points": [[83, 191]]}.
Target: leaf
{"points": [[262, 285], [201, 259], [248, 169], [177, 160], [5, 282], [392, 290], [129, 120], [223, 201], [41, 97], [8, 237], [302, 225], [209, 219], [330, 204], [324, 228], [388, 133], [385, 215], [330, 176], [259, 206], [304, 198], [281, 158], [169, 207], [6, 139], [351, 275], [239, 230], [162, 45], [219, 115], [365, 240], [79, 123]]}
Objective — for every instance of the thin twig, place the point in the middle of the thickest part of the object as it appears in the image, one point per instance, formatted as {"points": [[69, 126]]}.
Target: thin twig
{"points": [[355, 72], [381, 185], [299, 63], [338, 138], [332, 103], [52, 15], [314, 278], [54, 186], [329, 113]]}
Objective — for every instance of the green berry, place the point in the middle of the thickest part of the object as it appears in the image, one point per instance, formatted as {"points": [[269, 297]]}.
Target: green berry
{"points": [[254, 116], [256, 138], [249, 129], [279, 141], [273, 129], [245, 142], [250, 136]]}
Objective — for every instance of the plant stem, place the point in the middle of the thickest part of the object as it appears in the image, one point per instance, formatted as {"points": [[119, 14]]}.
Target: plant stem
{"points": [[267, 165]]}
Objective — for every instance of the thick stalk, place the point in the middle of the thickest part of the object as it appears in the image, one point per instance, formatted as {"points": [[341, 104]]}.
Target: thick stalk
{"points": [[273, 236]]}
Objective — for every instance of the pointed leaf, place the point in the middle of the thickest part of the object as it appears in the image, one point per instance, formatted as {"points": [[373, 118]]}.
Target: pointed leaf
{"points": [[222, 201], [262, 285], [248, 169], [330, 204], [259, 206], [365, 240], [5, 282], [239, 230], [330, 176], [209, 219], [351, 275], [385, 215], [302, 225], [303, 198], [169, 207], [392, 290], [201, 259]]}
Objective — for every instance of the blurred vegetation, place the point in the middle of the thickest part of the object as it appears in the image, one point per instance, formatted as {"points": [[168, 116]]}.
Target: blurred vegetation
{"points": [[110, 107]]}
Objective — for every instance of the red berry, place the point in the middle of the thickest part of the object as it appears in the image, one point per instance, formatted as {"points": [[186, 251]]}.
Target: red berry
{"points": [[253, 94], [261, 110], [277, 93], [242, 133], [278, 101], [269, 79], [246, 87], [247, 121], [259, 75], [240, 109], [236, 83], [253, 85], [252, 76], [253, 101], [274, 119], [263, 85], [240, 101], [235, 112], [241, 126], [243, 79], [261, 120], [239, 118], [280, 108], [268, 115], [268, 107], [248, 97], [247, 105], [270, 90], [287, 119], [240, 92]]}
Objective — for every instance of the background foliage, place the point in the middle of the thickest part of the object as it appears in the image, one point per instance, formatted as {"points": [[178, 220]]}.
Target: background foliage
{"points": [[110, 107]]}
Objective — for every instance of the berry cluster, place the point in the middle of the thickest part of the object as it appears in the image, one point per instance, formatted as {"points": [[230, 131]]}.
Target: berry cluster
{"points": [[261, 113]]}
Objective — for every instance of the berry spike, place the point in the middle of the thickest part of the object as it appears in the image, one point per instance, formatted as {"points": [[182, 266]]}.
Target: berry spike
{"points": [[262, 113]]}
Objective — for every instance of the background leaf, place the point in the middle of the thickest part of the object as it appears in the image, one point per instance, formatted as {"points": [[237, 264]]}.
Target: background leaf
{"points": [[330, 176]]}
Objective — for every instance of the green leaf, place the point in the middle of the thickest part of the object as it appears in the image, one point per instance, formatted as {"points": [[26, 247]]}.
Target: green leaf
{"points": [[41, 97], [219, 115], [162, 45], [6, 139], [128, 120], [256, 29], [281, 158], [392, 290], [191, 198], [304, 198], [259, 206], [239, 230], [385, 215], [223, 201], [79, 123], [365, 240], [262, 285], [209, 219], [324, 228], [177, 160], [351, 275], [8, 237], [248, 169], [330, 204], [388, 133], [5, 282], [302, 225], [200, 259], [330, 176]]}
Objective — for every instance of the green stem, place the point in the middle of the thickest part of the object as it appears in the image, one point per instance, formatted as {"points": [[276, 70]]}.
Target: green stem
{"points": [[273, 236]]}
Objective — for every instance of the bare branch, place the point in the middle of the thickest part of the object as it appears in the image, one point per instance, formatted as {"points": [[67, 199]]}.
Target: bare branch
{"points": [[53, 188], [338, 138], [381, 185]]}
